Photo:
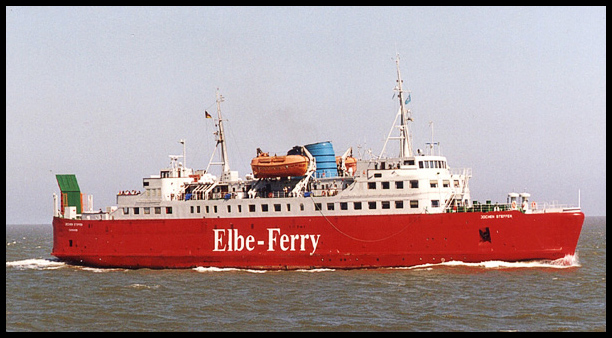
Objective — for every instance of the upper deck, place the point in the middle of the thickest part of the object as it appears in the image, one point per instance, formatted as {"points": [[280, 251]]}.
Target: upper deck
{"points": [[407, 184]]}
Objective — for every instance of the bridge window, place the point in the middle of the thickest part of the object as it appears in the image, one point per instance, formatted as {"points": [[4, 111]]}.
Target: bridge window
{"points": [[372, 205], [399, 184], [414, 183], [385, 205], [357, 205], [399, 204], [371, 185], [385, 185], [414, 204]]}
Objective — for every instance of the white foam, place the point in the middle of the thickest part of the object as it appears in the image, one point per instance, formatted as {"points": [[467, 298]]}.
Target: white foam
{"points": [[215, 269], [98, 270], [144, 286], [37, 264], [315, 270], [569, 261]]}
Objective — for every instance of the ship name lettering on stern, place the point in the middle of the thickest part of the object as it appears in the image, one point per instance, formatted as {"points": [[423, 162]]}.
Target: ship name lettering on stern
{"points": [[231, 240]]}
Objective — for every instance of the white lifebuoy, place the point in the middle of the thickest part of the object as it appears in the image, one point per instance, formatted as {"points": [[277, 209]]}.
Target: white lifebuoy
{"points": [[513, 204], [533, 205], [323, 193]]}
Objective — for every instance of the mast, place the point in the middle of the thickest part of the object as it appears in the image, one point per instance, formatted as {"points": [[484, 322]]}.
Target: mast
{"points": [[220, 134], [221, 137], [405, 144], [182, 141], [432, 143]]}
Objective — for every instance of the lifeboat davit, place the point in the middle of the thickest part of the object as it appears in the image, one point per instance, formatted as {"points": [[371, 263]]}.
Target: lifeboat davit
{"points": [[266, 166]]}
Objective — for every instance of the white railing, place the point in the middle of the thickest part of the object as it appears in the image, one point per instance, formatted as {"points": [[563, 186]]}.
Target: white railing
{"points": [[461, 171]]}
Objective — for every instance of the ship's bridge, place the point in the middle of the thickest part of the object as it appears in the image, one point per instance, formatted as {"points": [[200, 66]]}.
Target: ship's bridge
{"points": [[408, 163]]}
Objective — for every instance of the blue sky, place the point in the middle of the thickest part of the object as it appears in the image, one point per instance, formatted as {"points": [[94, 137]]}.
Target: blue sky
{"points": [[518, 94]]}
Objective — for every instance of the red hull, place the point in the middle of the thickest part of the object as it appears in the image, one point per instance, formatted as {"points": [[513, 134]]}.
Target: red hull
{"points": [[317, 242]]}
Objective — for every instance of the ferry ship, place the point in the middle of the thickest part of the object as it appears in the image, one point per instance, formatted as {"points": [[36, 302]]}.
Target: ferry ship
{"points": [[309, 209]]}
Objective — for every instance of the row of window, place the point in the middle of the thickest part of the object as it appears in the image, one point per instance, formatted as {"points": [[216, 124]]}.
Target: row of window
{"points": [[422, 164], [432, 164], [147, 210], [372, 205], [252, 208], [412, 183]]}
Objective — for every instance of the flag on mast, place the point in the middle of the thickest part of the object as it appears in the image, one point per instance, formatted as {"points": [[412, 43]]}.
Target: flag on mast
{"points": [[207, 115]]}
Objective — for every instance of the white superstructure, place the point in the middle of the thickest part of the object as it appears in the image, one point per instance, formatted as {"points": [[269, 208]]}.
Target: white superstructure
{"points": [[408, 183]]}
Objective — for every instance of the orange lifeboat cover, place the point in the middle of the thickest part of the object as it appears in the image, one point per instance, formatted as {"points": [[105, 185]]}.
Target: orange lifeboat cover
{"points": [[265, 166], [349, 163]]}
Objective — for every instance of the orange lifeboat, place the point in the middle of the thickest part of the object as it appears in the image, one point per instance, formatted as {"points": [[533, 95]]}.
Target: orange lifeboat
{"points": [[350, 163], [266, 166]]}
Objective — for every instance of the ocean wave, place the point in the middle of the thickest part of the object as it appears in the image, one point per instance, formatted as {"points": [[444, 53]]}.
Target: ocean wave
{"points": [[215, 269], [52, 264], [139, 286], [36, 264], [569, 261], [98, 270]]}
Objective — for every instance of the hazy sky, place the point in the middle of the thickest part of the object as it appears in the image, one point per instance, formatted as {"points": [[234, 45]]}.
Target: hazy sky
{"points": [[518, 94]]}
